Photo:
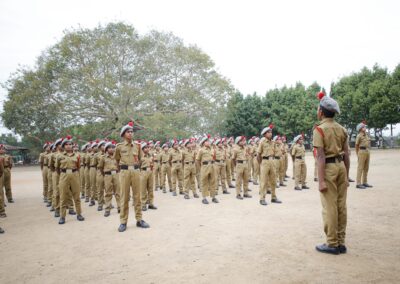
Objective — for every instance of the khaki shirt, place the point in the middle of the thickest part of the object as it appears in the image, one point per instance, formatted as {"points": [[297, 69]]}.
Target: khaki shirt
{"points": [[188, 155], [363, 140], [41, 157], [330, 136], [7, 160], [298, 150], [220, 154], [87, 159], [175, 155], [128, 154], [83, 159], [164, 157], [147, 161], [46, 159], [278, 150], [100, 158], [108, 163], [68, 161], [52, 160], [157, 156], [239, 153], [93, 159], [205, 154], [266, 148]]}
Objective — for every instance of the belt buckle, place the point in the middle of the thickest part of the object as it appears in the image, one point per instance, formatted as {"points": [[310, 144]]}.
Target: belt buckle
{"points": [[131, 168], [113, 172], [69, 171], [340, 159]]}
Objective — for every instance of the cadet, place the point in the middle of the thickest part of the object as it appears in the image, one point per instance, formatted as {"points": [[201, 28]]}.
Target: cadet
{"points": [[157, 166], [279, 160], [300, 170], [363, 144], [228, 163], [109, 169], [44, 167], [87, 171], [330, 140], [230, 145], [240, 160], [220, 166], [265, 156], [68, 167], [147, 179], [254, 161], [165, 168], [175, 161], [82, 170], [93, 172], [285, 156], [189, 170], [205, 160], [128, 156], [99, 176], [2, 210]]}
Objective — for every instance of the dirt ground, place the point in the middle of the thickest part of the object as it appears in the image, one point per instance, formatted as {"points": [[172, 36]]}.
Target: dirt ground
{"points": [[188, 242]]}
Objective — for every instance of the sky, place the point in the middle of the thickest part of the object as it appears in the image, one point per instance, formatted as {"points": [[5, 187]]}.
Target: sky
{"points": [[257, 45]]}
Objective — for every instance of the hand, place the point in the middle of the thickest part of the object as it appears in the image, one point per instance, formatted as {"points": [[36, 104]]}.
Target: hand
{"points": [[322, 186]]}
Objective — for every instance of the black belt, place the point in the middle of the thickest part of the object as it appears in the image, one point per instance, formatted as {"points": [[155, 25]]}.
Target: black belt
{"points": [[165, 162], [188, 163], [125, 167], [174, 162], [267, 157], [207, 163], [219, 161], [109, 173], [145, 168], [240, 162], [93, 166], [299, 158], [277, 158], [333, 159], [363, 148], [65, 170], [156, 161]]}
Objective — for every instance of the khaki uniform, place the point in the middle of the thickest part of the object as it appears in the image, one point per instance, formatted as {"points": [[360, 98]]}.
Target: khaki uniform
{"points": [[256, 165], [285, 159], [129, 156], [147, 180], [2, 209], [228, 164], [49, 176], [242, 169], [157, 168], [165, 170], [198, 167], [300, 167], [233, 167], [220, 168], [176, 169], [108, 165], [334, 210], [92, 173], [266, 149], [279, 162], [45, 170], [87, 176], [82, 173], [55, 181], [68, 165], [207, 172], [189, 171], [100, 180], [364, 143]]}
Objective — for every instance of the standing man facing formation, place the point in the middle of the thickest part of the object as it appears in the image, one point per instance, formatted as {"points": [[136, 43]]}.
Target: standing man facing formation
{"points": [[8, 164], [128, 156], [363, 144], [330, 140], [300, 167]]}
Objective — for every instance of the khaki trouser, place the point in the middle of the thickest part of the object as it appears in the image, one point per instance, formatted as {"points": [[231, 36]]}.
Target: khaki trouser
{"points": [[198, 170], [92, 174], [278, 169], [44, 177], [229, 171], [256, 169], [55, 178], [300, 170], [286, 164], [177, 174], [111, 183], [100, 187], [7, 183], [147, 187], [189, 174], [293, 162], [87, 182], [166, 171], [220, 175], [363, 166], [267, 178], [207, 180], [242, 177], [82, 180], [69, 186], [157, 174], [334, 210], [250, 168], [130, 179], [233, 170], [50, 186], [2, 210]]}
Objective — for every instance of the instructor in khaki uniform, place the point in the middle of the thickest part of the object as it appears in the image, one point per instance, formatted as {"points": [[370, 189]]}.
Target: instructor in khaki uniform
{"points": [[128, 156], [266, 152], [300, 167], [363, 144], [330, 140]]}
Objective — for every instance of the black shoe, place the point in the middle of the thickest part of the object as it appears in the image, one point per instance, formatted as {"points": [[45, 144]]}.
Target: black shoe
{"points": [[44, 199], [100, 208], [152, 207], [255, 183], [144, 208], [360, 186], [181, 193], [1, 231], [122, 228], [268, 192], [86, 199], [52, 209], [119, 211], [239, 197], [231, 186], [226, 192], [342, 248], [367, 185], [286, 176], [142, 224], [315, 179], [79, 217], [327, 249], [215, 200], [276, 200], [305, 187], [48, 204], [174, 194], [164, 191], [282, 184], [249, 190], [186, 196], [107, 213], [246, 195], [71, 212], [204, 201], [3, 215], [61, 221], [11, 201], [56, 214], [196, 195], [297, 188], [351, 180], [263, 202], [92, 203]]}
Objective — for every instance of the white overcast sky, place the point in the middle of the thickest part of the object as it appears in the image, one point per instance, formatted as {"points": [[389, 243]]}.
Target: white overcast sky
{"points": [[258, 45]]}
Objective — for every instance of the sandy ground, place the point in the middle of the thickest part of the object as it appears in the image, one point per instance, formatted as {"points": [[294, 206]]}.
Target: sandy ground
{"points": [[232, 242]]}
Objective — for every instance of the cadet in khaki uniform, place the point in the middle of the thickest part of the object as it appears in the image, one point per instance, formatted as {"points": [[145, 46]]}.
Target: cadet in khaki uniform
{"points": [[93, 173], [157, 165], [285, 156], [198, 167], [220, 166], [205, 159], [44, 167], [8, 164], [189, 170], [109, 169], [175, 160], [300, 167], [228, 163], [47, 160], [147, 178], [279, 164], [240, 159], [165, 168], [82, 170], [330, 140], [230, 144], [129, 155], [2, 209], [87, 172], [100, 177], [265, 156], [254, 161], [68, 167], [363, 144]]}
